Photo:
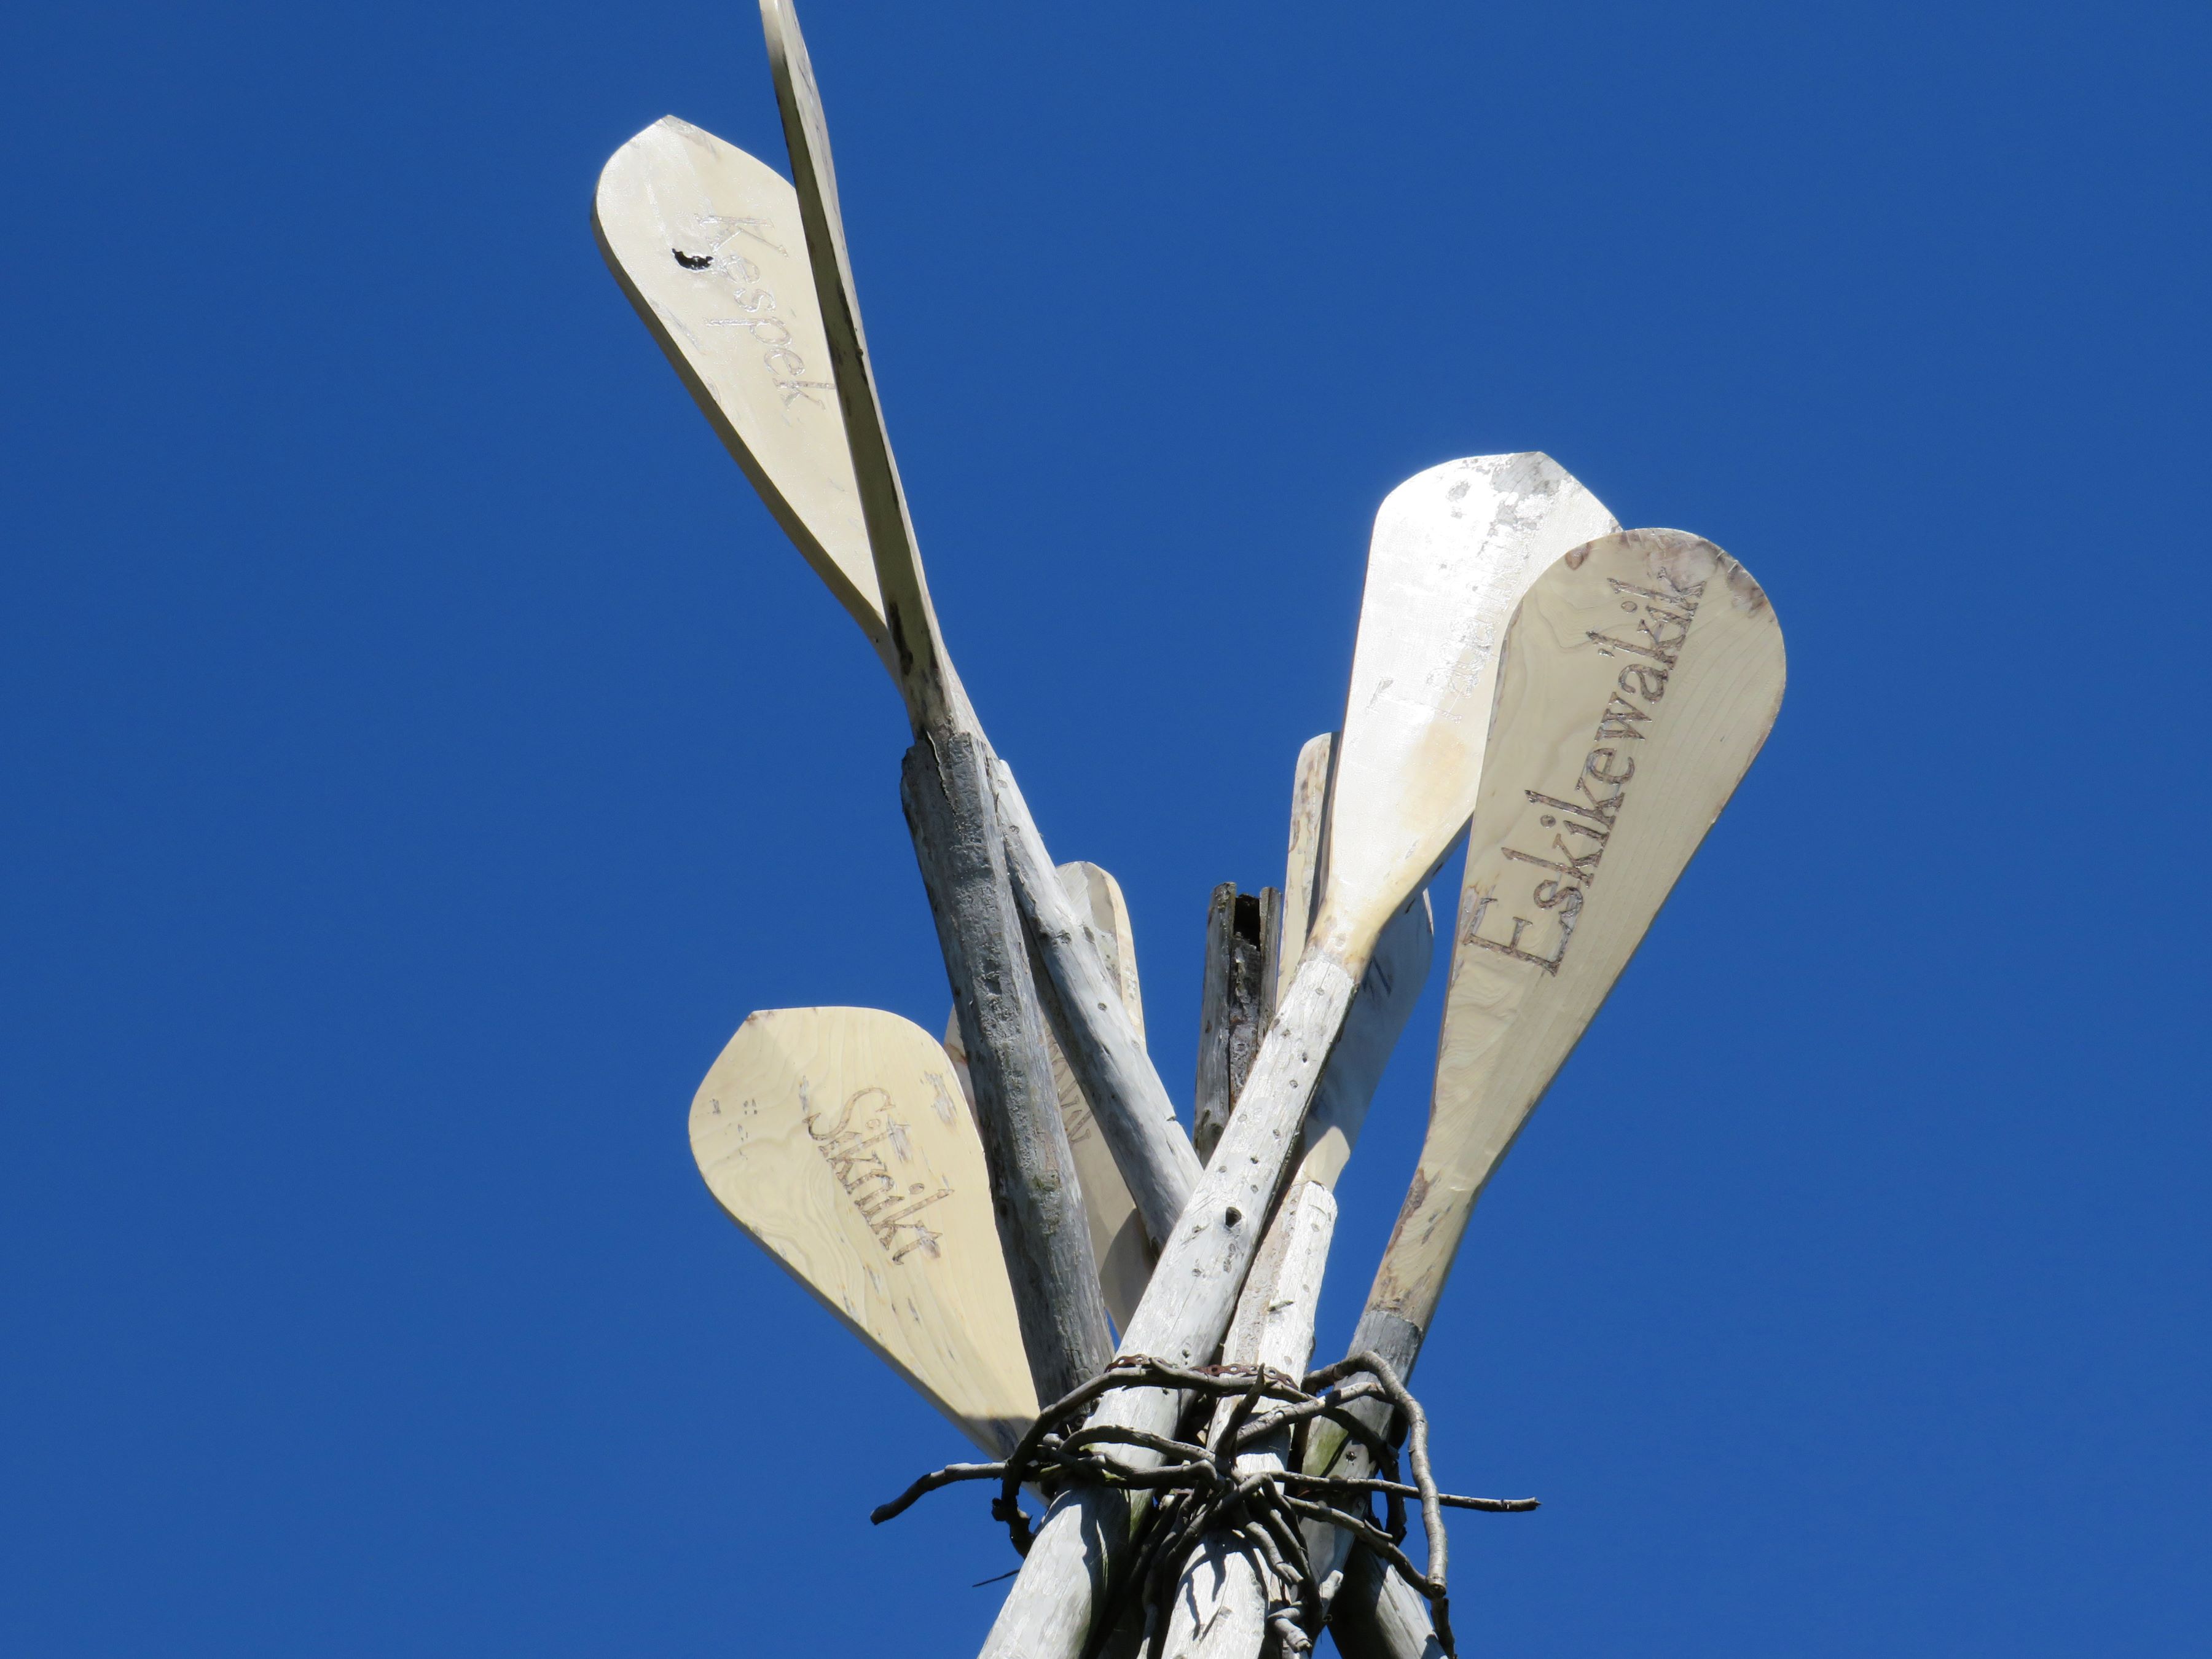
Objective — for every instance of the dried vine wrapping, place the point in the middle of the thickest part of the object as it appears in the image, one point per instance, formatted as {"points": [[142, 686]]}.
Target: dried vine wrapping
{"points": [[1201, 1494]]}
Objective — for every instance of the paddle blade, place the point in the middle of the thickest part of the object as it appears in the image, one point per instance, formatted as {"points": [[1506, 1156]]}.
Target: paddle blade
{"points": [[917, 654], [834, 1139], [1118, 1243], [708, 243], [1455, 549], [1642, 676]]}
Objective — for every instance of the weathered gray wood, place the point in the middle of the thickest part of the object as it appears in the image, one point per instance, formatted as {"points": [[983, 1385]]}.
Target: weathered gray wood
{"points": [[1221, 1605], [1100, 1043], [1378, 1615], [1124, 1252], [1038, 1203], [1237, 1001]]}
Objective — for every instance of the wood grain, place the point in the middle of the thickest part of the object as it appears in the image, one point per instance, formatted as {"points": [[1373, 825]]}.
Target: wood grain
{"points": [[1301, 862], [1102, 1046], [1236, 1001], [834, 1138], [707, 242], [1034, 1190], [917, 650], [1644, 676], [1124, 1255]]}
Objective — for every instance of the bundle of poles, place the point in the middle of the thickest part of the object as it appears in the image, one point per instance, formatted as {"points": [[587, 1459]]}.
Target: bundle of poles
{"points": [[987, 1209]]}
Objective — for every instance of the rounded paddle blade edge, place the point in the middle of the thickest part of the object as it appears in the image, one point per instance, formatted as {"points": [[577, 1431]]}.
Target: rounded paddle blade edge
{"points": [[1640, 679], [836, 1139]]}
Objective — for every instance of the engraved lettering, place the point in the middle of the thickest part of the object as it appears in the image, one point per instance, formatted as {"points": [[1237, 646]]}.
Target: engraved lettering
{"points": [[859, 1168], [1621, 719], [1664, 620], [1606, 774]]}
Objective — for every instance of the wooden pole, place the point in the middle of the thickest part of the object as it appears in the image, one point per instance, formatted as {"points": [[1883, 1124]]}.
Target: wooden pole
{"points": [[1237, 1002], [945, 788], [1097, 1037], [1221, 1605]]}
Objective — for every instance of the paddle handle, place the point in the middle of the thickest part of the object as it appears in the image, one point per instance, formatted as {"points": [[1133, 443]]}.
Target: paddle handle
{"points": [[1185, 1311]]}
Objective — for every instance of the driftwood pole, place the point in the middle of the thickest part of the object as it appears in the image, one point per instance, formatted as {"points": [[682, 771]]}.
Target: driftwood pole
{"points": [[1222, 1606], [1097, 1037], [946, 789]]}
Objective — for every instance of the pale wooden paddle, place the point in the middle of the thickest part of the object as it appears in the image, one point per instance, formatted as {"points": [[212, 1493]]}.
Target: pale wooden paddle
{"points": [[1641, 678], [1454, 550], [834, 1138], [1645, 673], [1117, 1233], [709, 244]]}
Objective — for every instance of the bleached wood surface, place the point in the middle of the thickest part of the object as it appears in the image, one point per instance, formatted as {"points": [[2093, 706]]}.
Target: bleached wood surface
{"points": [[834, 1138], [1643, 675], [1104, 1047], [1220, 1608], [1301, 862], [1035, 1191], [707, 242], [1388, 991], [1378, 1615], [917, 650], [1117, 1233], [1454, 550]]}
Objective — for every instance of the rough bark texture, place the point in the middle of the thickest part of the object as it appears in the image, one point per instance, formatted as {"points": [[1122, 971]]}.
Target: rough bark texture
{"points": [[944, 786], [1236, 1003]]}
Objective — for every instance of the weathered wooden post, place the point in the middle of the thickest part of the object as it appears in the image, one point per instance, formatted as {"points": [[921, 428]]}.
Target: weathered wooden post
{"points": [[1236, 1003]]}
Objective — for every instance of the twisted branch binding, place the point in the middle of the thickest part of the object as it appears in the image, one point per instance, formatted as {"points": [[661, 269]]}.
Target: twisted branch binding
{"points": [[1201, 1494]]}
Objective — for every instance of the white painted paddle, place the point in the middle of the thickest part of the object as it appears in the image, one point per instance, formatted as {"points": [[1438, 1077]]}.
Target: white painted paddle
{"points": [[1117, 1233], [1455, 548], [834, 1138], [1641, 678]]}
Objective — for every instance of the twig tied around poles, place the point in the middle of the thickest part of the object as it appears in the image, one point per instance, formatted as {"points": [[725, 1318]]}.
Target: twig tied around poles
{"points": [[1201, 1492]]}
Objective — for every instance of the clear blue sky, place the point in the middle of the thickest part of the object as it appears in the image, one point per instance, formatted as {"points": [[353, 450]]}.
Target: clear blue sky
{"points": [[422, 751]]}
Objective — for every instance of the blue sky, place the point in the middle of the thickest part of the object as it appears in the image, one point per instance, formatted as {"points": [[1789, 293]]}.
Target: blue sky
{"points": [[424, 751]]}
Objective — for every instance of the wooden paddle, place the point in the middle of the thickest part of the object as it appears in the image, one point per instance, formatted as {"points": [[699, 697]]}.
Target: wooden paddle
{"points": [[1455, 548], [834, 1138], [1641, 678], [709, 244], [1645, 673], [1117, 1233]]}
